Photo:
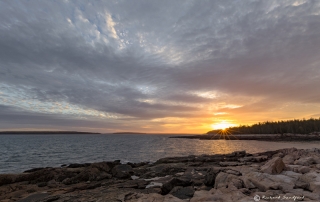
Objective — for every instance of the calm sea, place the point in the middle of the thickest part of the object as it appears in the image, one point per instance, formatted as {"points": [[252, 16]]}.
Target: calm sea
{"points": [[22, 152]]}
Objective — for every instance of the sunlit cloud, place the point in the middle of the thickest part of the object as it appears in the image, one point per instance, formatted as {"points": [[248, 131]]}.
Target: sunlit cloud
{"points": [[298, 3], [111, 26], [208, 94], [220, 113], [27, 103]]}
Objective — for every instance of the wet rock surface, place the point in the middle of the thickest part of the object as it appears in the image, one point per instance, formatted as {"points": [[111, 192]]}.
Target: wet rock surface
{"points": [[231, 177]]}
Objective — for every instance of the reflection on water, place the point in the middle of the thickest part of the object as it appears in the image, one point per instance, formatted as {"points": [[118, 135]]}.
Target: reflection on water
{"points": [[222, 147], [22, 152]]}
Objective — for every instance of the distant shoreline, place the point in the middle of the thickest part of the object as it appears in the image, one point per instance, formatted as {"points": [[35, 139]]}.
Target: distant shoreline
{"points": [[262, 137], [76, 132], [43, 132], [129, 133]]}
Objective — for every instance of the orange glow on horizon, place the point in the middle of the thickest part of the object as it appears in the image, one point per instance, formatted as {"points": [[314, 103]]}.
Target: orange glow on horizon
{"points": [[221, 125]]}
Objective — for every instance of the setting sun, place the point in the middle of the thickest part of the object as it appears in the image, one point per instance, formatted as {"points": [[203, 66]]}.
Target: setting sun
{"points": [[221, 125]]}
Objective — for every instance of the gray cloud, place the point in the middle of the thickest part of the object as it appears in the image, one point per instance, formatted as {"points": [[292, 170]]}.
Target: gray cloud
{"points": [[157, 59]]}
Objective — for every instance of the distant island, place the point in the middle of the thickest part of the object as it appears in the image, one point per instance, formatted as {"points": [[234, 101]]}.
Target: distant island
{"points": [[44, 132], [128, 133], [292, 130], [295, 126]]}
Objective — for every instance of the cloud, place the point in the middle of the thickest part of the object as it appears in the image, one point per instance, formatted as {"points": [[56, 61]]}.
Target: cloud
{"points": [[110, 25], [152, 60]]}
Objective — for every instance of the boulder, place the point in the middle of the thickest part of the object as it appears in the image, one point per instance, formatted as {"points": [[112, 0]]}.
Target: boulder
{"points": [[237, 183], [78, 165], [154, 184], [67, 173], [221, 180], [172, 170], [264, 185], [226, 180], [136, 165], [68, 181], [305, 161], [102, 166], [260, 158], [237, 154], [122, 171], [139, 171], [311, 196], [264, 181], [242, 170], [288, 159], [182, 192], [247, 183], [313, 179], [146, 174], [167, 169], [301, 185], [304, 169], [246, 159], [222, 195], [292, 174], [52, 184], [210, 177], [280, 154], [233, 172], [294, 168], [200, 196], [6, 179], [42, 184], [254, 158], [198, 176], [86, 174], [168, 186], [42, 175], [316, 159], [273, 166]]}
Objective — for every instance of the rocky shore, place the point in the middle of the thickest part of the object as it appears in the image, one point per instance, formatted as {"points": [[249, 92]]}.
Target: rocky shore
{"points": [[262, 137], [282, 175]]}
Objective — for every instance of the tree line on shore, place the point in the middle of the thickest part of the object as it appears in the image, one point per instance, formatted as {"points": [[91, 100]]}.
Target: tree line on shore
{"points": [[295, 126]]}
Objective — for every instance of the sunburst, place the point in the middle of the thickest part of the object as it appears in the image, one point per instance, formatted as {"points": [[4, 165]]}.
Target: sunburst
{"points": [[224, 134], [223, 130]]}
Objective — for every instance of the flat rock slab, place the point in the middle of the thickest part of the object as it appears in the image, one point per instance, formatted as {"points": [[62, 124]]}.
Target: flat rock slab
{"points": [[35, 197], [230, 163]]}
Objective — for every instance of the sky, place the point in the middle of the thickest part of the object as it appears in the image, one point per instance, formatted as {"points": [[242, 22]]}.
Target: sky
{"points": [[157, 66]]}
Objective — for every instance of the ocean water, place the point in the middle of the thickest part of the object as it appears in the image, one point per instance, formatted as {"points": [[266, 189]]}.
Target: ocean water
{"points": [[21, 152]]}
